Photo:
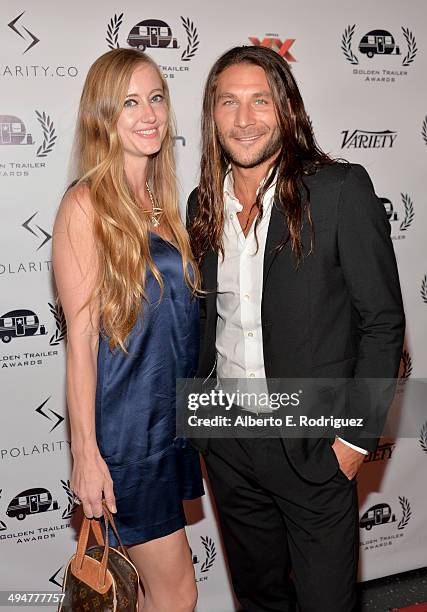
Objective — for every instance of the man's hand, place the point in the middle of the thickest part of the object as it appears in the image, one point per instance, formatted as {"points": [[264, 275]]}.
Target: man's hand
{"points": [[349, 459]]}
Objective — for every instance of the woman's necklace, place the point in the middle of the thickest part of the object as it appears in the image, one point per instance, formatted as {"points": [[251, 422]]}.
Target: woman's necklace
{"points": [[156, 211]]}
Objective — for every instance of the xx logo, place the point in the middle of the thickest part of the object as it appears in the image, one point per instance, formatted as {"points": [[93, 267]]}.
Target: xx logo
{"points": [[282, 48], [34, 40]]}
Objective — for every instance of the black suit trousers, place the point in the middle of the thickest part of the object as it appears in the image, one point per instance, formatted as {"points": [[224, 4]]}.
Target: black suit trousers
{"points": [[276, 525]]}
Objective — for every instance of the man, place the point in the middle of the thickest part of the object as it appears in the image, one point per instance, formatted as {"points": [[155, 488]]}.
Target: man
{"points": [[301, 282]]}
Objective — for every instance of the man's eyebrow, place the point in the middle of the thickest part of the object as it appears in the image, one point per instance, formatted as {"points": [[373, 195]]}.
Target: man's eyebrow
{"points": [[257, 94]]}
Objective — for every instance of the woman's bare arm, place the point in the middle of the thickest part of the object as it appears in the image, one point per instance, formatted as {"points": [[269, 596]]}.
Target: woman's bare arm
{"points": [[75, 266]]}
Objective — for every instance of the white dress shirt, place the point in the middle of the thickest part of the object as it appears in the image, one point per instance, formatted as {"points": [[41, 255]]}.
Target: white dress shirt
{"points": [[239, 344]]}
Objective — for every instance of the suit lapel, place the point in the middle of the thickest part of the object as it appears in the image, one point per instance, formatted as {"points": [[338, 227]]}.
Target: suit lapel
{"points": [[277, 230], [210, 272]]}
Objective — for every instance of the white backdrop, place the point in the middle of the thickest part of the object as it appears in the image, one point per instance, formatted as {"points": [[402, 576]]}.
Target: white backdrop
{"points": [[370, 110]]}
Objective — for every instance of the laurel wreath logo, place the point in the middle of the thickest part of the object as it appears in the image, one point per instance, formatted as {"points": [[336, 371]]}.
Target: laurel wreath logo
{"points": [[346, 45], [407, 365], [72, 504], [409, 212], [424, 130], [61, 324], [2, 524], [210, 549], [113, 28], [407, 512], [424, 289], [412, 47], [192, 40], [49, 136], [423, 437]]}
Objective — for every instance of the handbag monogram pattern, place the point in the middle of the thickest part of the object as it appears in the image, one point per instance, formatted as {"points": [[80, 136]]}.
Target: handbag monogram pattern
{"points": [[100, 578]]}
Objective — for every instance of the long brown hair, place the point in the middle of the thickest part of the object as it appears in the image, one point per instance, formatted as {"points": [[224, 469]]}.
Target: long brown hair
{"points": [[121, 232], [299, 154]]}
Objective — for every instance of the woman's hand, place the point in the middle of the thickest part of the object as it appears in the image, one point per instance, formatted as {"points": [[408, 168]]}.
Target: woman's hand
{"points": [[91, 482]]}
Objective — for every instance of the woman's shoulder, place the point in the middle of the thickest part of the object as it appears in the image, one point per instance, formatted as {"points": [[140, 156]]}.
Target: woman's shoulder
{"points": [[75, 209]]}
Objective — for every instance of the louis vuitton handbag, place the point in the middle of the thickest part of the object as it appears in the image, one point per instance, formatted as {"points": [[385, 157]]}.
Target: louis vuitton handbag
{"points": [[100, 578]]}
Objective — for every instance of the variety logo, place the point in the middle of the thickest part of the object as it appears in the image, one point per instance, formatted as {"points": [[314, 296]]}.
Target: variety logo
{"points": [[23, 32], [366, 139], [375, 46], [400, 223], [202, 567], [272, 41], [28, 504], [383, 452], [14, 134], [46, 236], [155, 34]]}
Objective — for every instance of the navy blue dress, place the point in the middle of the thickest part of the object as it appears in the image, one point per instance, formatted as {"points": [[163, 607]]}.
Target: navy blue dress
{"points": [[152, 470]]}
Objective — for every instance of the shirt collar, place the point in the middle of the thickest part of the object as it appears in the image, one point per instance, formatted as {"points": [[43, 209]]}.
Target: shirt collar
{"points": [[231, 202]]}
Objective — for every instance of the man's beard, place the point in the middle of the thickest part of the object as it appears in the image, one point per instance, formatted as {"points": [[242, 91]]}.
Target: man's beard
{"points": [[270, 149]]}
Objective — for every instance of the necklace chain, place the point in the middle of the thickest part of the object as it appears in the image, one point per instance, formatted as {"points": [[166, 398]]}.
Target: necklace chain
{"points": [[156, 211]]}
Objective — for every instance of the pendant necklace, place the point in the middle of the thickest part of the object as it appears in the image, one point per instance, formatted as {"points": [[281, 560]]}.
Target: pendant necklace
{"points": [[156, 211]]}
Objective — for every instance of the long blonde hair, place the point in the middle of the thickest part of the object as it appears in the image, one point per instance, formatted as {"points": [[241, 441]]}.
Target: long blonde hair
{"points": [[121, 232]]}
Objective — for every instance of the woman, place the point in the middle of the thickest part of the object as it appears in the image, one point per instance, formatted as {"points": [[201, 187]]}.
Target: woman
{"points": [[126, 281]]}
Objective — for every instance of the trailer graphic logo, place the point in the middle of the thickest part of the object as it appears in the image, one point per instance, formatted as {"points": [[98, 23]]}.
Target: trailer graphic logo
{"points": [[31, 501], [378, 42], [375, 45], [151, 33], [28, 36], [272, 41], [19, 324], [15, 133], [22, 323], [394, 216], [156, 34], [381, 514]]}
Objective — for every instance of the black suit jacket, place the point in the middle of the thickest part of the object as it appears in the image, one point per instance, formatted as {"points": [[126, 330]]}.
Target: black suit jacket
{"points": [[339, 314]]}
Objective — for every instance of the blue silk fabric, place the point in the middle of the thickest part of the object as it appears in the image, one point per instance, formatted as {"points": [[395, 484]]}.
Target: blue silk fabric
{"points": [[152, 470]]}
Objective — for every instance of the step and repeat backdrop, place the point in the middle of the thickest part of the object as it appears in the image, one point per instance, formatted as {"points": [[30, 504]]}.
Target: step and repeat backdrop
{"points": [[361, 68]]}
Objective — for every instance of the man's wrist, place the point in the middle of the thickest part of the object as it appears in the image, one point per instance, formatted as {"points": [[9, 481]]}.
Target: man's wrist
{"points": [[354, 447]]}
